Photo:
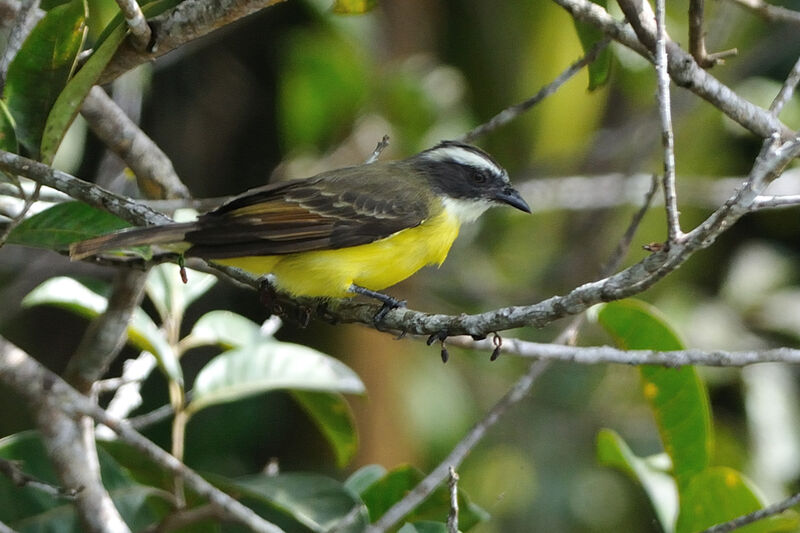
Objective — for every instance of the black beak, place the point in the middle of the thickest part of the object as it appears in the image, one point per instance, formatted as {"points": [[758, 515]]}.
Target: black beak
{"points": [[513, 198]]}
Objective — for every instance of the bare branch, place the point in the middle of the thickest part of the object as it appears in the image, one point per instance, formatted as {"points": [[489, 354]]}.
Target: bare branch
{"points": [[37, 385], [13, 471], [684, 70], [511, 113], [755, 516], [773, 202], [186, 22], [787, 90], [134, 18], [123, 207], [593, 355], [154, 172], [426, 487], [674, 233], [107, 333], [452, 484], [697, 42], [770, 12], [380, 147]]}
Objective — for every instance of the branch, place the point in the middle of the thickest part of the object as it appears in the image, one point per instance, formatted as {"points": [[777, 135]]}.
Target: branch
{"points": [[769, 12], [186, 22], [134, 18], [426, 487], [511, 113], [125, 208], [106, 334], [452, 484], [38, 385], [683, 69], [674, 233], [697, 43], [26, 17], [594, 355], [154, 172], [13, 471], [755, 516]]}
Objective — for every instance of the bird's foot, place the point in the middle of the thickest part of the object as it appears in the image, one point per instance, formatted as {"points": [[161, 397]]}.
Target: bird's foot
{"points": [[389, 303]]}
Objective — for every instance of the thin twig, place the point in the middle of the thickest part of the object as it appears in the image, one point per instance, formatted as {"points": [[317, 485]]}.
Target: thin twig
{"points": [[511, 113], [770, 12], [380, 147], [755, 516], [424, 489], [13, 471], [787, 90], [775, 202], [697, 42], [19, 217], [140, 31], [452, 517], [592, 355], [674, 233]]}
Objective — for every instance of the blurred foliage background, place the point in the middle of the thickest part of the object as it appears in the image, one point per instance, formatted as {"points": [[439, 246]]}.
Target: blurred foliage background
{"points": [[296, 89]]}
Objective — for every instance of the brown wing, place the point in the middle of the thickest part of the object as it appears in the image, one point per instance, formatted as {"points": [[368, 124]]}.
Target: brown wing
{"points": [[331, 210]]}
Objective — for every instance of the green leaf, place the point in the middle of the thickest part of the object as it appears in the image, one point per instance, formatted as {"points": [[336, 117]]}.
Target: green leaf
{"points": [[332, 415], [719, 494], [226, 329], [392, 487], [317, 502], [35, 511], [66, 106], [8, 134], [170, 295], [41, 68], [589, 35], [424, 527], [353, 7], [72, 295], [57, 227], [252, 370], [361, 479], [676, 395], [659, 485]]}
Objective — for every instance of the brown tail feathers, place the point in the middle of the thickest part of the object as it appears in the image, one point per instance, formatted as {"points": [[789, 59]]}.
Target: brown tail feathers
{"points": [[167, 234]]}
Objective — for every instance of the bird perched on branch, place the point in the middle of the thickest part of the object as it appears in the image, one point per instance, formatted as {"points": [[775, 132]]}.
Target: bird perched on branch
{"points": [[354, 230]]}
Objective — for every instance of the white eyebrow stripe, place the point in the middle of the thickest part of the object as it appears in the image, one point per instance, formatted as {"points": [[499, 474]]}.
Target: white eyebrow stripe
{"points": [[465, 157]]}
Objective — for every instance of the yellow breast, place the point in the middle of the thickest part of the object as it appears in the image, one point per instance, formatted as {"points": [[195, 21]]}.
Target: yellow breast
{"points": [[377, 265]]}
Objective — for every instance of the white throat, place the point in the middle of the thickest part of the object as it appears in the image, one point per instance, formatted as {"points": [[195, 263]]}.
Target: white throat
{"points": [[465, 210]]}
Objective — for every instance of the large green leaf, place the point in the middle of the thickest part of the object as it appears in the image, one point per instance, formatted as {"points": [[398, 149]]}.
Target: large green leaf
{"points": [[271, 365], [316, 502], [392, 487], [719, 494], [649, 472], [676, 395], [332, 415], [72, 295], [35, 511], [66, 106], [57, 227], [41, 68]]}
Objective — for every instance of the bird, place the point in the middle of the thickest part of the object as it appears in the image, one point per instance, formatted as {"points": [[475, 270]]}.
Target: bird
{"points": [[350, 231]]}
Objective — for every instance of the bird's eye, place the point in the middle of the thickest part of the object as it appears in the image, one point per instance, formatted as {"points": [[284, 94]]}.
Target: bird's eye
{"points": [[479, 177]]}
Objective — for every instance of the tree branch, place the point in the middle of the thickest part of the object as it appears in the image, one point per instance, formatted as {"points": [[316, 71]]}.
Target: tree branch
{"points": [[186, 22], [769, 12], [683, 69], [154, 172], [48, 393], [134, 18], [755, 516]]}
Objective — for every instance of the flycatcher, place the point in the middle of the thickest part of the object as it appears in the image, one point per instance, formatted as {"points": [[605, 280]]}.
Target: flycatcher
{"points": [[354, 230]]}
